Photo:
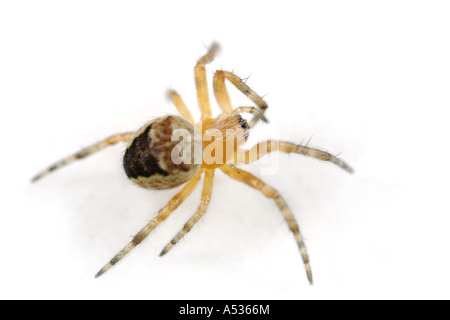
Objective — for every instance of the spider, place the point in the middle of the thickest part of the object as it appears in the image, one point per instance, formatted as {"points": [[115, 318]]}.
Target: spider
{"points": [[148, 160]]}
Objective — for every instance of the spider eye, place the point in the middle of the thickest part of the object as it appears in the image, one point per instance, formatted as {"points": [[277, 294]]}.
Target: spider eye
{"points": [[156, 159]]}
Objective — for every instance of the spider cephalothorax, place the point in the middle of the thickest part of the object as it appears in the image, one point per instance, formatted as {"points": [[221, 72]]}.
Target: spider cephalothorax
{"points": [[172, 150]]}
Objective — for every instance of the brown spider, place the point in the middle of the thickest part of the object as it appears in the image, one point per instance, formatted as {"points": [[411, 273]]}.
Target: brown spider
{"points": [[149, 156]]}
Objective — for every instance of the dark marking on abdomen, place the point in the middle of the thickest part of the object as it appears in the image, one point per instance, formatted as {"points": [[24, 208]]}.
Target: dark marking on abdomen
{"points": [[139, 159]]}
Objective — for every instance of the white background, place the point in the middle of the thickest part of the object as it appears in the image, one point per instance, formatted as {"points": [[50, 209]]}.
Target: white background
{"points": [[369, 80]]}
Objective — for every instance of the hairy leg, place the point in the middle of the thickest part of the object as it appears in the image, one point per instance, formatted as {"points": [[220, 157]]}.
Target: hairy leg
{"points": [[256, 183], [162, 215], [201, 83], [258, 113], [263, 148], [223, 98], [122, 137], [206, 197], [221, 93], [180, 105]]}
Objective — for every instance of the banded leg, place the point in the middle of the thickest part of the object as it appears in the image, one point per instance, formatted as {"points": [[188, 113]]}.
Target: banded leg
{"points": [[162, 215], [223, 99], [263, 148], [180, 105], [122, 137], [200, 81], [206, 197], [268, 191]]}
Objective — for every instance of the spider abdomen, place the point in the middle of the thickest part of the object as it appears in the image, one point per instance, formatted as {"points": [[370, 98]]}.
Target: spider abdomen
{"points": [[156, 159]]}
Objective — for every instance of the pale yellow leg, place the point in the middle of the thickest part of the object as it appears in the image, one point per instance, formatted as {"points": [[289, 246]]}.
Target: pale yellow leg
{"points": [[268, 191], [162, 215], [180, 105], [263, 148], [122, 137], [221, 93], [206, 197], [201, 83], [223, 98], [258, 113]]}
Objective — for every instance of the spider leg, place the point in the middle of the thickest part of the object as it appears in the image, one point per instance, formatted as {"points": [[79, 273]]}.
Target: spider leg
{"points": [[263, 148], [200, 81], [258, 113], [122, 137], [162, 215], [221, 93], [223, 98], [268, 191], [180, 105], [206, 196]]}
